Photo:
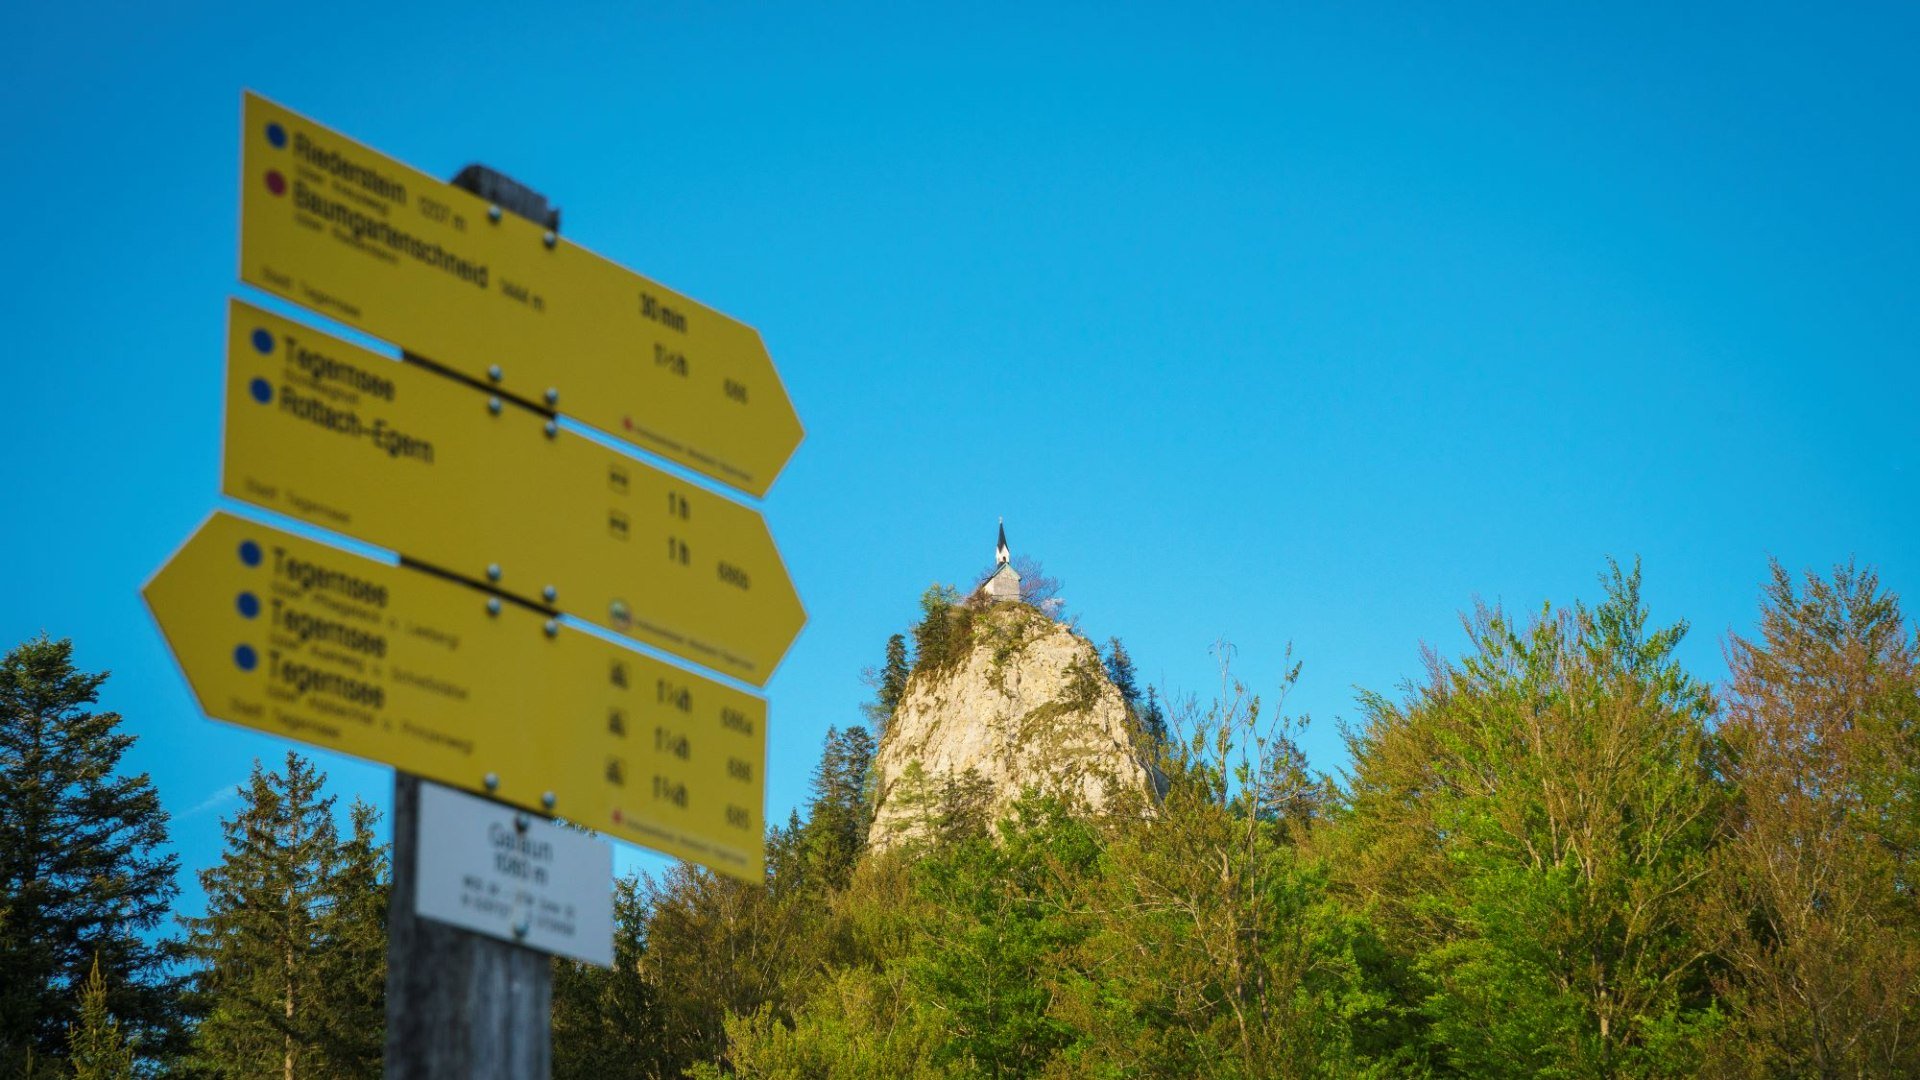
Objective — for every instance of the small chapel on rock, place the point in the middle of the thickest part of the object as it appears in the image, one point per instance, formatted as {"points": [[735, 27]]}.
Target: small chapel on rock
{"points": [[1004, 584]]}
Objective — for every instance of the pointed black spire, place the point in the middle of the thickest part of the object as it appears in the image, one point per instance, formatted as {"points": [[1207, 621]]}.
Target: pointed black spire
{"points": [[1000, 553]]}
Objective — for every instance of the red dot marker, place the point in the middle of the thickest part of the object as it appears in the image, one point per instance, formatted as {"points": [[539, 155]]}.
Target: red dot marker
{"points": [[275, 182]]}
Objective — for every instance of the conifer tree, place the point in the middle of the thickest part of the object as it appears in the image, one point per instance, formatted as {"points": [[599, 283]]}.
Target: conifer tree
{"points": [[292, 943], [933, 634], [96, 1048], [838, 813], [83, 881], [1120, 672], [353, 961], [607, 1022], [893, 677], [1153, 717], [889, 682]]}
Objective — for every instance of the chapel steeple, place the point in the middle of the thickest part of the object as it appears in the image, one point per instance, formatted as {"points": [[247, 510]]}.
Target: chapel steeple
{"points": [[1004, 584]]}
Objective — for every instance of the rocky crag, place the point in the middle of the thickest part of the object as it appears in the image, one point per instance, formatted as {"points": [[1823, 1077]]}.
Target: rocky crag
{"points": [[1021, 702]]}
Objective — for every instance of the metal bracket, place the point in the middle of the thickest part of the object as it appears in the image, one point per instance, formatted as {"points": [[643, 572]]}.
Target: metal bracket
{"points": [[509, 194]]}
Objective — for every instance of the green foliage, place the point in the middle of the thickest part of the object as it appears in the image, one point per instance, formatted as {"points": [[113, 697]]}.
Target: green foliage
{"points": [[1153, 717], [1812, 913], [944, 631], [1531, 830], [1119, 664], [1557, 856], [1193, 939], [1214, 946], [838, 812], [293, 945], [607, 1023], [858, 1026], [987, 939], [706, 948], [889, 683], [1085, 680], [96, 1048], [84, 883], [715, 947]]}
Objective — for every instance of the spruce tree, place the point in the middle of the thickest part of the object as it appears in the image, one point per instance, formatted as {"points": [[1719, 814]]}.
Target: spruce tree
{"points": [[353, 962], [607, 1023], [1153, 717], [1120, 672], [83, 882], [933, 634], [889, 682], [292, 945], [96, 1048], [838, 814], [893, 677]]}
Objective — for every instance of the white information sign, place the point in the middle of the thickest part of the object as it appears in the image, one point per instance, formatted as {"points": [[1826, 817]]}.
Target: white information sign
{"points": [[515, 876]]}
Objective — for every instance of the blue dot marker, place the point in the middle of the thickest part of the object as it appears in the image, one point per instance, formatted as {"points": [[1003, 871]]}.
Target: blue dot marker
{"points": [[245, 658], [248, 604], [262, 342], [261, 389], [250, 553], [277, 135]]}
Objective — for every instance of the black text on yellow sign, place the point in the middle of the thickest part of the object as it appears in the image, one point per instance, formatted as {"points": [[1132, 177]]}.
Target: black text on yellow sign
{"points": [[360, 237], [296, 638], [401, 457]]}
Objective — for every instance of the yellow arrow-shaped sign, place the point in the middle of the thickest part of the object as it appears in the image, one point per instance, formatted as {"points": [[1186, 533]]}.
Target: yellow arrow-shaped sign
{"points": [[407, 459], [364, 239], [296, 638]]}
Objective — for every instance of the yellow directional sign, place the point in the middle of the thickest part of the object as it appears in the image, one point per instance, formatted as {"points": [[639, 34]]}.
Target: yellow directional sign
{"points": [[407, 459], [296, 638], [358, 236]]}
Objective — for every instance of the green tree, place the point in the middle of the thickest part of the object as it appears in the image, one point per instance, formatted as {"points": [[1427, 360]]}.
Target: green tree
{"points": [[716, 947], [1212, 944], [838, 809], [84, 882], [858, 1014], [942, 630], [96, 1048], [1153, 717], [1815, 886], [962, 808], [988, 937], [1531, 829], [292, 948], [1120, 672], [606, 1023], [352, 991], [889, 683]]}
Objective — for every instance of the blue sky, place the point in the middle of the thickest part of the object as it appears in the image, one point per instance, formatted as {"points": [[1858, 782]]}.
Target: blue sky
{"points": [[1264, 324]]}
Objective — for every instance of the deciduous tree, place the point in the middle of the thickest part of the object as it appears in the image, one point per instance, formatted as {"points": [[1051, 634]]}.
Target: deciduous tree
{"points": [[1816, 884], [1532, 829]]}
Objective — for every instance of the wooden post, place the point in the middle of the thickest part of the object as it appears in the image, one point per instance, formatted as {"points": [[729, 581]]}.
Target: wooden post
{"points": [[459, 1005]]}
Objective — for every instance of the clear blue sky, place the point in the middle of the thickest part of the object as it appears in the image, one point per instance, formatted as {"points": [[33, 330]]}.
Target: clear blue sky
{"points": [[1269, 324]]}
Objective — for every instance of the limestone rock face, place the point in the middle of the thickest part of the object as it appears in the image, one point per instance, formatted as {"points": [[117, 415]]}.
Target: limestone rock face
{"points": [[1028, 704]]}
